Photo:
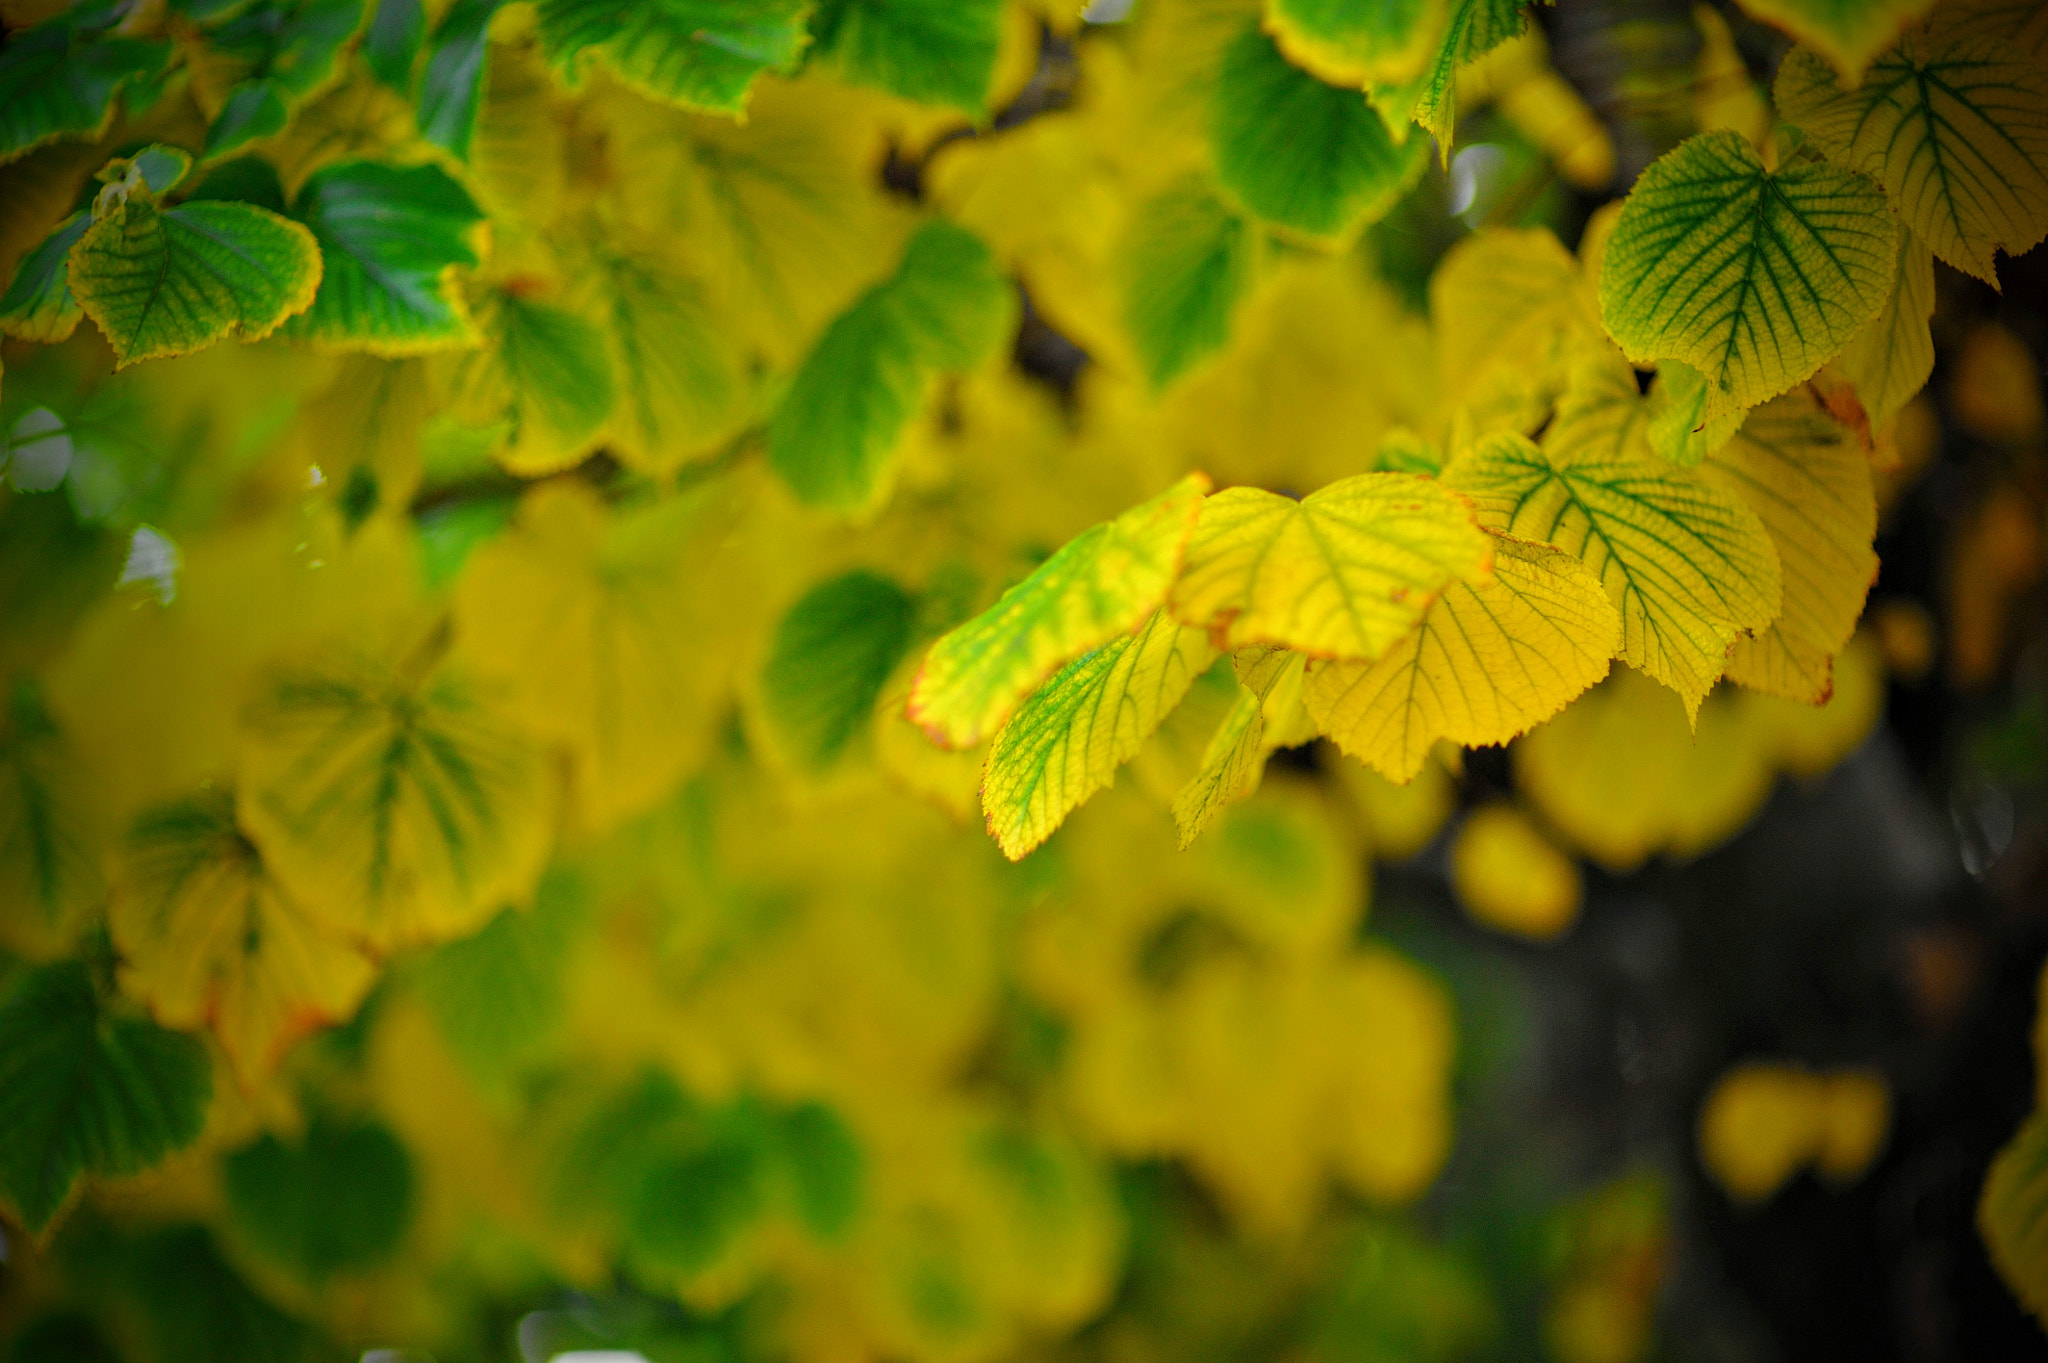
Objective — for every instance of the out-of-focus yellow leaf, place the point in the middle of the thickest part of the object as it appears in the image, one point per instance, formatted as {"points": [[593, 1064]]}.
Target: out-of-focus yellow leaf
{"points": [[1511, 313], [1544, 107], [1996, 389], [1399, 820], [1509, 876], [1849, 36], [1890, 359], [1857, 1117], [1723, 94], [1761, 1124]]}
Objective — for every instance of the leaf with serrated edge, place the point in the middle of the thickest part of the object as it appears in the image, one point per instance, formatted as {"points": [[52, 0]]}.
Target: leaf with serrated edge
{"points": [[166, 281], [1489, 661], [1810, 482], [1266, 713], [1101, 584], [1956, 134], [1847, 32], [1472, 28], [1756, 278], [1890, 359], [1066, 741], [1342, 573], [208, 939], [1690, 567]]}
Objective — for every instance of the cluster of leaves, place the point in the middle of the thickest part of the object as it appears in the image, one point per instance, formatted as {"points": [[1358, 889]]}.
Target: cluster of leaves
{"points": [[532, 636]]}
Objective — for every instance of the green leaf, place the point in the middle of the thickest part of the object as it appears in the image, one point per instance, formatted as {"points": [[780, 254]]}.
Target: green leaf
{"points": [[1349, 43], [699, 54], [390, 239], [288, 50], [1753, 277], [947, 307], [827, 663], [1890, 360], [49, 861], [194, 1304], [1689, 567], [59, 79], [499, 994], [1472, 29], [452, 87], [244, 179], [391, 44], [934, 51], [1186, 262], [546, 372], [339, 1199], [1847, 32], [38, 305], [1066, 741], [1342, 573], [822, 1168], [167, 281], [253, 110], [1101, 584], [82, 1091], [1957, 133], [1300, 153]]}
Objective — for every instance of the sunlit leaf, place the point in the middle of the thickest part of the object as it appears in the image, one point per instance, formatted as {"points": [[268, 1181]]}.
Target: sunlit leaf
{"points": [[1753, 277], [1957, 133], [1342, 573], [1488, 661], [1689, 567], [60, 78], [937, 51], [1100, 585], [209, 939], [1679, 428], [84, 1090], [700, 54], [1067, 739], [1300, 153], [1511, 314]]}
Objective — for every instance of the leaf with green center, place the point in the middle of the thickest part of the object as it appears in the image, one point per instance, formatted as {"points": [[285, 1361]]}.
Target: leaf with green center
{"points": [[391, 43], [1490, 661], [60, 78], [1847, 32], [1342, 573], [391, 237], [168, 281], [1300, 153], [1753, 277], [208, 939], [340, 1198], [1890, 360], [38, 305], [933, 51], [1809, 480], [1347, 43], [1101, 584], [1689, 567], [543, 370], [947, 308], [395, 809], [831, 654], [1187, 260], [699, 54], [1679, 429], [1957, 135], [1066, 741], [451, 89], [84, 1091], [1472, 29], [1267, 714]]}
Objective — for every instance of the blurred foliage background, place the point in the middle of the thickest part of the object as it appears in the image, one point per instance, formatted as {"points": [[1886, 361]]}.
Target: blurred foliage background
{"points": [[1625, 1043]]}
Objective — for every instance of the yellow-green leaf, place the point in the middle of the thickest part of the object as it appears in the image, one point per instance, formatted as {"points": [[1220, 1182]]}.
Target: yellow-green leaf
{"points": [[207, 938], [1101, 584], [1342, 573], [1488, 661], [1680, 429], [1353, 44], [544, 371], [1267, 714], [1847, 32], [38, 305], [1689, 567], [1890, 359], [1753, 277], [1066, 741], [1956, 132], [2012, 1214], [1511, 311], [1472, 28], [1809, 481]]}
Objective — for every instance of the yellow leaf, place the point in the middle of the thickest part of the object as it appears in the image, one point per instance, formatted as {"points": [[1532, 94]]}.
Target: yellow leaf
{"points": [[1890, 359], [1342, 573], [595, 627], [1486, 663], [1066, 741], [1511, 311], [1265, 716], [208, 938], [1723, 94], [1810, 483], [1544, 107], [1688, 566], [370, 417], [1856, 1116], [1509, 876], [1101, 584], [1398, 820]]}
